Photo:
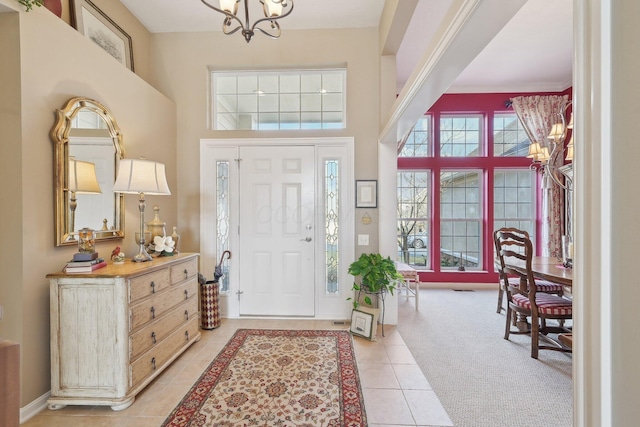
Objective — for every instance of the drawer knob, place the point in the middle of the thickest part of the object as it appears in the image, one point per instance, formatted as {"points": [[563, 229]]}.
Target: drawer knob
{"points": [[186, 294], [153, 312], [186, 315], [153, 287], [186, 335], [153, 363], [153, 337], [186, 273]]}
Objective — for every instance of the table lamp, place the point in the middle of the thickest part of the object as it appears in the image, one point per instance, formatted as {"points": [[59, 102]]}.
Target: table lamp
{"points": [[140, 176], [81, 180]]}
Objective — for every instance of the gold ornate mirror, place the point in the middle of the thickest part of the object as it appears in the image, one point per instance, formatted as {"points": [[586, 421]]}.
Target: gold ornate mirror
{"points": [[87, 138]]}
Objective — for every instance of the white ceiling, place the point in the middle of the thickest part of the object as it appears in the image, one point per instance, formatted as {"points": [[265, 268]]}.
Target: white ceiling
{"points": [[532, 53]]}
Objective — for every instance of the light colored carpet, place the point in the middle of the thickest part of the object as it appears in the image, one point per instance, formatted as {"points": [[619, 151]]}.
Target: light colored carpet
{"points": [[481, 379]]}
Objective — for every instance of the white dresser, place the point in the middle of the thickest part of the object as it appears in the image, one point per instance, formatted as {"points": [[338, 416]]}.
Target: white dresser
{"points": [[116, 329]]}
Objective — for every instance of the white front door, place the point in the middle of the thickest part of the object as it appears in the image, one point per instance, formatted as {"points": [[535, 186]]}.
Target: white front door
{"points": [[277, 231]]}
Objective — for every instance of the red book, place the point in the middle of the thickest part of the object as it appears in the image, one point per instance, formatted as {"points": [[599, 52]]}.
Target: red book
{"points": [[85, 268]]}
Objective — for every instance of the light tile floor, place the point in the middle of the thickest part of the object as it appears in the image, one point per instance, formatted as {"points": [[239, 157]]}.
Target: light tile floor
{"points": [[396, 393]]}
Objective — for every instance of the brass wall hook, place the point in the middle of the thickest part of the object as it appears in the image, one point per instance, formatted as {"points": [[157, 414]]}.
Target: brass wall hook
{"points": [[366, 219]]}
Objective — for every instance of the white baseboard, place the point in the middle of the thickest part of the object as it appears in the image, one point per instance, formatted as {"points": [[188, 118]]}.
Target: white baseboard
{"points": [[34, 407]]}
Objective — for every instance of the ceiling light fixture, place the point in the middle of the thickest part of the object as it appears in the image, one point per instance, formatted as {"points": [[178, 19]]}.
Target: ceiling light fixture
{"points": [[273, 10]]}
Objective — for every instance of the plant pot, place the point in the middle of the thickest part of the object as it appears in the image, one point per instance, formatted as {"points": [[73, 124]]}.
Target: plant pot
{"points": [[55, 6]]}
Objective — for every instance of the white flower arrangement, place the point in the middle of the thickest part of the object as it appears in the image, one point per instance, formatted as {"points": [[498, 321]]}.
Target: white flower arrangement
{"points": [[164, 245]]}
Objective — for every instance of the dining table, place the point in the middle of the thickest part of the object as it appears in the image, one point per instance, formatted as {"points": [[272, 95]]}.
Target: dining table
{"points": [[546, 268]]}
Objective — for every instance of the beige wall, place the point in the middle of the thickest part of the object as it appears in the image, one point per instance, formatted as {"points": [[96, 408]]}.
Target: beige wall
{"points": [[120, 15], [10, 166], [182, 62], [55, 64], [52, 62]]}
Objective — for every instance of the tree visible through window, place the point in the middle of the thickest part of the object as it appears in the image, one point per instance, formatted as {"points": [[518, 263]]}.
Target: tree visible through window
{"points": [[460, 219], [460, 136], [413, 217]]}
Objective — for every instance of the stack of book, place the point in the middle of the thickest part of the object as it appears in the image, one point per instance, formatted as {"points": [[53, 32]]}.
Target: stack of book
{"points": [[85, 263]]}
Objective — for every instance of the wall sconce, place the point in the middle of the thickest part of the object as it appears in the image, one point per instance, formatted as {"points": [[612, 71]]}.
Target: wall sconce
{"points": [[82, 180], [139, 176]]}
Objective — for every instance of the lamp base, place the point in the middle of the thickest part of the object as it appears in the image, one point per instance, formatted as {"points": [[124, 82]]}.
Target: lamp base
{"points": [[142, 256]]}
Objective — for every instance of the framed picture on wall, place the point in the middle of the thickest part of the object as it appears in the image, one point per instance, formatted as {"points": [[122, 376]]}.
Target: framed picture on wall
{"points": [[94, 24], [366, 194]]}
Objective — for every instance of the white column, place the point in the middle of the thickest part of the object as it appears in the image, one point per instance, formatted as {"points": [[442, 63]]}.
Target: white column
{"points": [[606, 107]]}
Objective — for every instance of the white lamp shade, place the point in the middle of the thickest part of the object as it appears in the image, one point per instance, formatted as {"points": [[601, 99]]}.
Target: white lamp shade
{"points": [[535, 150], [82, 177], [570, 150], [137, 176], [228, 6], [273, 8], [569, 157], [557, 131], [544, 157]]}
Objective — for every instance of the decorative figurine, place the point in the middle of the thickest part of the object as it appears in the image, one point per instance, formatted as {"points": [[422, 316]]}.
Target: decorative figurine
{"points": [[115, 252], [163, 246], [117, 256]]}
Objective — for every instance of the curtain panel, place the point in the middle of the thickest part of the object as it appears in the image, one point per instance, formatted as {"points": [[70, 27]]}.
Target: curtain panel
{"points": [[538, 114]]}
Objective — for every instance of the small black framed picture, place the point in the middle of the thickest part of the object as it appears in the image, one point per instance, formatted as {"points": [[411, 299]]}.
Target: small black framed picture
{"points": [[367, 193], [362, 324]]}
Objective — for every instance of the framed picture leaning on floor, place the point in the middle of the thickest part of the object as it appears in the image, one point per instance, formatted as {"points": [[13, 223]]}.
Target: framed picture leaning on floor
{"points": [[362, 324]]}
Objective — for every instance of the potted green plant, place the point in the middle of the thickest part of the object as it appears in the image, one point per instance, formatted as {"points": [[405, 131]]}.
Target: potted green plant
{"points": [[28, 4], [373, 274]]}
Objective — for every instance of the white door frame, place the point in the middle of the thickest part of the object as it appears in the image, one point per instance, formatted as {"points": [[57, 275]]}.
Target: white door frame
{"points": [[333, 306]]}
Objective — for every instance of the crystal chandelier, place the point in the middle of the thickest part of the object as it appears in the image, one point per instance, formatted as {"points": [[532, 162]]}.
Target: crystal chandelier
{"points": [[273, 11]]}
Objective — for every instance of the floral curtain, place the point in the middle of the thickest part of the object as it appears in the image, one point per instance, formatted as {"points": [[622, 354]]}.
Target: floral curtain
{"points": [[538, 114]]}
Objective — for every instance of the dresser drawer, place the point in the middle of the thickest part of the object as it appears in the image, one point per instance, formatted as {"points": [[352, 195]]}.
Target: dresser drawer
{"points": [[184, 271], [153, 308], [148, 284], [157, 331], [159, 355]]}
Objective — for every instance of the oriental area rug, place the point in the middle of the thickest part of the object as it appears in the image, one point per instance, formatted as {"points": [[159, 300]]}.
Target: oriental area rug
{"points": [[263, 377]]}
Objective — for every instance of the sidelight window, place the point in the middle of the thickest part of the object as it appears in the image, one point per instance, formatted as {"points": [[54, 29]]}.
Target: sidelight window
{"points": [[332, 224], [223, 218]]}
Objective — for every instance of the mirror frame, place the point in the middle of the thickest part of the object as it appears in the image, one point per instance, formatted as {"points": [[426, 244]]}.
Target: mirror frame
{"points": [[60, 136]]}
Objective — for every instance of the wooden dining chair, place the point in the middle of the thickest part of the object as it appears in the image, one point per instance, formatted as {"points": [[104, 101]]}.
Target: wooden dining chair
{"points": [[543, 285], [528, 301]]}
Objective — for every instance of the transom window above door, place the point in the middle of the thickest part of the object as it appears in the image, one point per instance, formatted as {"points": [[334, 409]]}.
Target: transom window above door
{"points": [[279, 100]]}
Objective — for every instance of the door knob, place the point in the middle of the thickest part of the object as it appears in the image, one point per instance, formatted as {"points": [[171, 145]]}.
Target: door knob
{"points": [[306, 239]]}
